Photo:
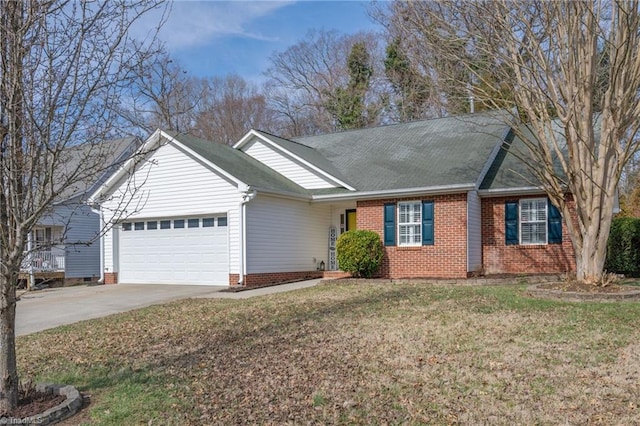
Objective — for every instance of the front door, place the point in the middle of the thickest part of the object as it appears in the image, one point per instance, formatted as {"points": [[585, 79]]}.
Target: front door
{"points": [[351, 220]]}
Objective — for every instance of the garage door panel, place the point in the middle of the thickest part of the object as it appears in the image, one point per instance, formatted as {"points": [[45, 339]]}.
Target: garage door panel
{"points": [[175, 256]]}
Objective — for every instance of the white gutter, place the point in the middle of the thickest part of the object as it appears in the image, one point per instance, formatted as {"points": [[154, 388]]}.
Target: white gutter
{"points": [[506, 192], [283, 194], [429, 190], [247, 194]]}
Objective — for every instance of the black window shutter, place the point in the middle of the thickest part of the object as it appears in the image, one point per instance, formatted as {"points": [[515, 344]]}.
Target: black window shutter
{"points": [[554, 222], [511, 222], [427, 223], [390, 224]]}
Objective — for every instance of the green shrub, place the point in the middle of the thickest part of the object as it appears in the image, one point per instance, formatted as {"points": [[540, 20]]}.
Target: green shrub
{"points": [[623, 249], [360, 252]]}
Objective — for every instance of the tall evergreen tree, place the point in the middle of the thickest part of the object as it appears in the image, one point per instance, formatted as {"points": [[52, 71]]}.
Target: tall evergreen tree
{"points": [[348, 105], [412, 90]]}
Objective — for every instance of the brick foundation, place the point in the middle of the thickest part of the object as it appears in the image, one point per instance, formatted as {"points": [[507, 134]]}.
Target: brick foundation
{"points": [[111, 278], [258, 280], [499, 258], [333, 275], [447, 258]]}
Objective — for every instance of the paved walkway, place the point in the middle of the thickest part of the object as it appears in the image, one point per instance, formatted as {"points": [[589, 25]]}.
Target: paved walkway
{"points": [[49, 308]]}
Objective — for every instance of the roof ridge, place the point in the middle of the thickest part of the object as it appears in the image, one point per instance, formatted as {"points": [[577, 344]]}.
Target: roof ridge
{"points": [[404, 123]]}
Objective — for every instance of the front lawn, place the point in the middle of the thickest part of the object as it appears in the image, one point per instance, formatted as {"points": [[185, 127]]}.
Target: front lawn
{"points": [[353, 354]]}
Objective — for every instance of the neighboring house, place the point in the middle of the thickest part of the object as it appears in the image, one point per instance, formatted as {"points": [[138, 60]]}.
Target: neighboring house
{"points": [[64, 245], [440, 193]]}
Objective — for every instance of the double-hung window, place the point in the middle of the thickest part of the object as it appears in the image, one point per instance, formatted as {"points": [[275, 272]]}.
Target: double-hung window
{"points": [[533, 221], [409, 223]]}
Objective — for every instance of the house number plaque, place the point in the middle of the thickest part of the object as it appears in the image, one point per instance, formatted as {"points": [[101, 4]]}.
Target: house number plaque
{"points": [[333, 235]]}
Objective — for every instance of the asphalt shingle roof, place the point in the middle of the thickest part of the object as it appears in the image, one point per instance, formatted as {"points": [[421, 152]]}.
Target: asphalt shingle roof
{"points": [[450, 151], [509, 171], [438, 152]]}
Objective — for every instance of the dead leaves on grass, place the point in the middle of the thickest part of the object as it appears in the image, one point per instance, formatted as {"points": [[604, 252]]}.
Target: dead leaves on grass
{"points": [[395, 354]]}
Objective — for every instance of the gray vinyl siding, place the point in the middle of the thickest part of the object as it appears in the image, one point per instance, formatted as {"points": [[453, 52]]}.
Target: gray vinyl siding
{"points": [[79, 227], [285, 235], [474, 232], [82, 246]]}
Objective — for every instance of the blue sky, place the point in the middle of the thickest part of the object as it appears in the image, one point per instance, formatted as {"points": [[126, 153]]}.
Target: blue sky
{"points": [[216, 38]]}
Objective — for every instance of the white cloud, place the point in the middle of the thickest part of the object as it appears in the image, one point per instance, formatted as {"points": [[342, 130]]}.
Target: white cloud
{"points": [[194, 23]]}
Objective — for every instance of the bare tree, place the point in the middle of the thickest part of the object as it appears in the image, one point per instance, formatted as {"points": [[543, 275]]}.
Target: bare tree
{"points": [[229, 107], [63, 67], [305, 78], [577, 120], [163, 95]]}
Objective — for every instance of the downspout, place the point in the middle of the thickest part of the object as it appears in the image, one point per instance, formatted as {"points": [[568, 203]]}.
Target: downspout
{"points": [[247, 194]]}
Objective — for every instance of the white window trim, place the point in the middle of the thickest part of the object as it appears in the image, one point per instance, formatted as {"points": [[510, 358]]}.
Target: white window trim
{"points": [[546, 221], [399, 224]]}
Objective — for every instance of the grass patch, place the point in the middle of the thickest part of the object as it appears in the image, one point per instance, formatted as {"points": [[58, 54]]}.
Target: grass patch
{"points": [[353, 354]]}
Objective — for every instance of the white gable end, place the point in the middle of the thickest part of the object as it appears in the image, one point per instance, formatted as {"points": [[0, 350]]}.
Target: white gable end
{"points": [[172, 184], [286, 166]]}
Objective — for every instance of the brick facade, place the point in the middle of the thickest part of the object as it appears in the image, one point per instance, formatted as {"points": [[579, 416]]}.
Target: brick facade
{"points": [[499, 258], [111, 278], [447, 258], [233, 279]]}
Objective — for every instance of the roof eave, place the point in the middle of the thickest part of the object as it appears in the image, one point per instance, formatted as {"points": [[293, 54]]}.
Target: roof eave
{"points": [[282, 194], [507, 192], [246, 138], [403, 192]]}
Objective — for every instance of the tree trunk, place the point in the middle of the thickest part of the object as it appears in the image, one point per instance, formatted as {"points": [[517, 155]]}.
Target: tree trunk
{"points": [[8, 368], [590, 261], [590, 240]]}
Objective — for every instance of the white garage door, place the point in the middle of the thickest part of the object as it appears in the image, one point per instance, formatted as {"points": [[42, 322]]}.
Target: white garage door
{"points": [[174, 251]]}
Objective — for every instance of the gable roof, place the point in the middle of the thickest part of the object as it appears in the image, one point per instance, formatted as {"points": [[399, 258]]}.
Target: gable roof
{"points": [[240, 165], [509, 173], [442, 152], [443, 155], [305, 154]]}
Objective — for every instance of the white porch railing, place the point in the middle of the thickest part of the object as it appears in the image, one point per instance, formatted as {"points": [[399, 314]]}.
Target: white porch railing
{"points": [[51, 260]]}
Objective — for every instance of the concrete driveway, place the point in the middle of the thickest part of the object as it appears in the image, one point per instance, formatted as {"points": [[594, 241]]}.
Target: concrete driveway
{"points": [[49, 308]]}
